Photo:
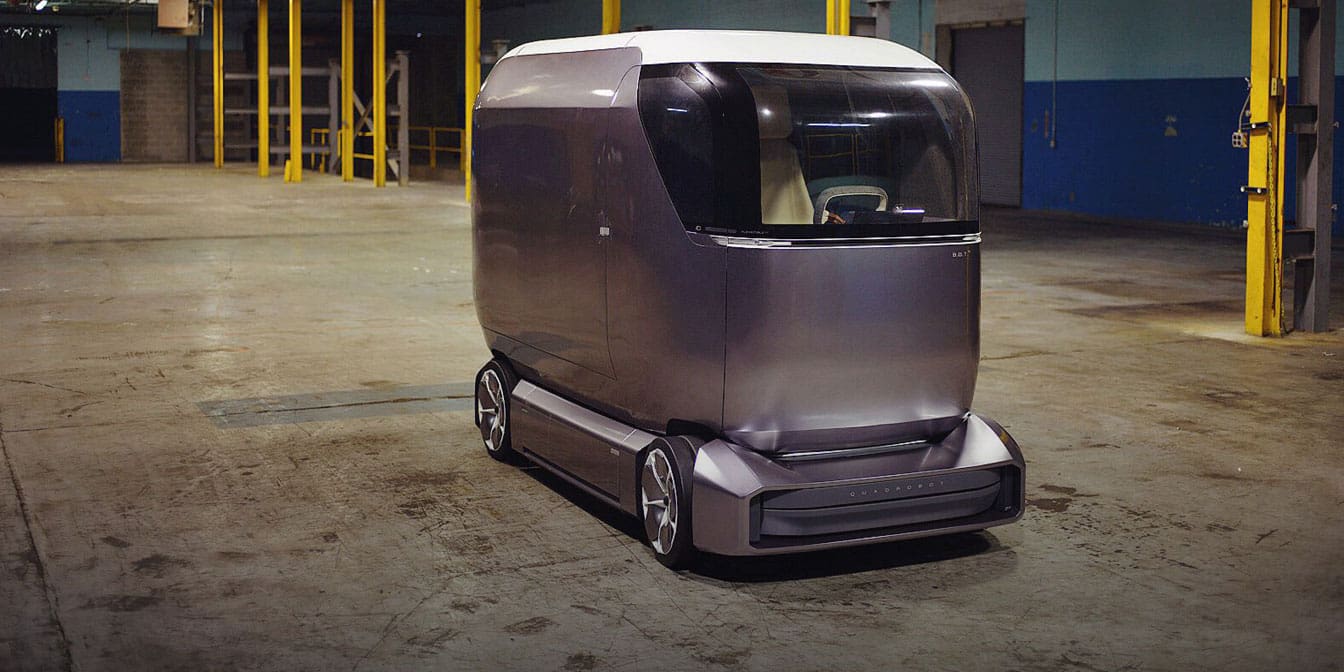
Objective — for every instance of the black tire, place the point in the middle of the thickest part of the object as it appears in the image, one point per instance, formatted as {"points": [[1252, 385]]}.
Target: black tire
{"points": [[494, 408], [664, 479]]}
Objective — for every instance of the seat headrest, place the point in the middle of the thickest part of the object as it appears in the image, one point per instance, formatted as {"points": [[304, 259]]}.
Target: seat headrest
{"points": [[772, 112]]}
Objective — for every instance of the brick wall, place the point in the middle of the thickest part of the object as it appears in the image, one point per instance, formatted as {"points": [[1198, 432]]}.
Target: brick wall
{"points": [[154, 105]]}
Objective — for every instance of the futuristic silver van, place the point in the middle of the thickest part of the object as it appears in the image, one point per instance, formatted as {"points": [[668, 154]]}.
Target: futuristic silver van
{"points": [[731, 281]]}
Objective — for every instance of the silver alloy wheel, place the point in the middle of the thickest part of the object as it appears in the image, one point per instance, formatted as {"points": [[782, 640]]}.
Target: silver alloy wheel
{"points": [[658, 501], [492, 408]]}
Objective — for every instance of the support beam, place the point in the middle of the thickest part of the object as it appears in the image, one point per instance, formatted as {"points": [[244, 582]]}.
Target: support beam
{"points": [[837, 17], [217, 65], [333, 115], [379, 93], [611, 16], [1315, 164], [294, 173], [403, 118], [1264, 186], [472, 83], [347, 90], [193, 70], [263, 89], [880, 10]]}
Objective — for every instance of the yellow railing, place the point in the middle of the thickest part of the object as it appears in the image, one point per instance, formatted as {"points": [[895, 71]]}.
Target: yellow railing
{"points": [[434, 147], [318, 136]]}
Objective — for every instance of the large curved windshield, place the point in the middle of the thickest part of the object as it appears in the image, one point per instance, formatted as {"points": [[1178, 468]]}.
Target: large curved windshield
{"points": [[795, 151]]}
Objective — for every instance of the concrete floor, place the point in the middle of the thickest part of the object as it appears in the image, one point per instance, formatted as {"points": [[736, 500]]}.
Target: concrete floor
{"points": [[234, 437]]}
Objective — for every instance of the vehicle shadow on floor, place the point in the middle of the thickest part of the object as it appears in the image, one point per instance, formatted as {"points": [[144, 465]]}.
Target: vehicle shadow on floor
{"points": [[794, 566], [852, 560]]}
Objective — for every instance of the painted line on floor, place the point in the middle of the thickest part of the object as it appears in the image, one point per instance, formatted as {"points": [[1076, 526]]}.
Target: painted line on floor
{"points": [[338, 405]]}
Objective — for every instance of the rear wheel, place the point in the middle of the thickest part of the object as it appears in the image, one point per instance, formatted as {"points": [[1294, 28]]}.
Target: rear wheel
{"points": [[665, 499], [494, 384]]}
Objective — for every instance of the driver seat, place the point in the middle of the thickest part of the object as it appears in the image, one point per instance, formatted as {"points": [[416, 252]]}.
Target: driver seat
{"points": [[784, 197]]}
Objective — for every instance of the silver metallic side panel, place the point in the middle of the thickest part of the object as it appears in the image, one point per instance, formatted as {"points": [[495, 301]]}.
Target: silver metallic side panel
{"points": [[540, 272], [664, 293], [586, 445]]}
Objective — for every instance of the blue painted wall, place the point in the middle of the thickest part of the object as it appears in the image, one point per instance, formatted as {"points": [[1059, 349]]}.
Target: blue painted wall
{"points": [[1136, 148], [92, 125], [1147, 97]]}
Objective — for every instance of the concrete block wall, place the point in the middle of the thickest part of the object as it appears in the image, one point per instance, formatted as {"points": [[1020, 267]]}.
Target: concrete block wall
{"points": [[154, 87]]}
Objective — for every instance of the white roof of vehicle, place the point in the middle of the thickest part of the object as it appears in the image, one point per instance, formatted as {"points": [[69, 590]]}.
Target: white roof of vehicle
{"points": [[741, 46]]}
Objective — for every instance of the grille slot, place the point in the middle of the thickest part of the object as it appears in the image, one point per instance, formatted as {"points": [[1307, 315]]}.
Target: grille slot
{"points": [[893, 503]]}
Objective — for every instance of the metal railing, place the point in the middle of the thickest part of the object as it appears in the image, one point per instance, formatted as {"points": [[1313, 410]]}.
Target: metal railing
{"points": [[318, 136], [318, 160], [434, 147]]}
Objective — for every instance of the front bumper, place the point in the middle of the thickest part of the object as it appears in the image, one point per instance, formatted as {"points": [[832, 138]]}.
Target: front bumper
{"points": [[745, 503]]}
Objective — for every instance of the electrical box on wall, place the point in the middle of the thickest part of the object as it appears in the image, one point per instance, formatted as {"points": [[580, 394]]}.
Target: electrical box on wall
{"points": [[180, 16]]}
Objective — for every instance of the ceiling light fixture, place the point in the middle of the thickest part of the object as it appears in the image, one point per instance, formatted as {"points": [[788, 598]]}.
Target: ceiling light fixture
{"points": [[41, 5]]}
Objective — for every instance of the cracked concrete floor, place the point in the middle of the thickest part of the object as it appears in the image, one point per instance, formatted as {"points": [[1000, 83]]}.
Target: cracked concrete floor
{"points": [[233, 438]]}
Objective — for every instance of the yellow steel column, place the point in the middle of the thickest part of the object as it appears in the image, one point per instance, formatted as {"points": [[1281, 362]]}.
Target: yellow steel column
{"points": [[217, 64], [347, 90], [294, 169], [379, 93], [1264, 190], [837, 17], [472, 83], [611, 16], [263, 89]]}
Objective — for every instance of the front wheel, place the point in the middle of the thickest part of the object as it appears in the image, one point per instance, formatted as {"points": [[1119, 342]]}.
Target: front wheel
{"points": [[494, 384], [665, 499]]}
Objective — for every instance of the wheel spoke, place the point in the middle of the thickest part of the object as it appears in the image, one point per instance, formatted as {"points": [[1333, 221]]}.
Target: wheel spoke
{"points": [[658, 499], [495, 389], [665, 536], [652, 524], [492, 409]]}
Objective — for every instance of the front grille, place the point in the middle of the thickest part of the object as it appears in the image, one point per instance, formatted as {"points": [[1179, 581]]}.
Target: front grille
{"points": [[889, 506]]}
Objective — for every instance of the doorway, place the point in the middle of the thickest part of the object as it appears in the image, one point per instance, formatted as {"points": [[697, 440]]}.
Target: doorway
{"points": [[27, 94], [988, 62]]}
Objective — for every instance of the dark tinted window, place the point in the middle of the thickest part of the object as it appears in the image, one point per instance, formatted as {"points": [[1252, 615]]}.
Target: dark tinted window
{"points": [[812, 152], [676, 120]]}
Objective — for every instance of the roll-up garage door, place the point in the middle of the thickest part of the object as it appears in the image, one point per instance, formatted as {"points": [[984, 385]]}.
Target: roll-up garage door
{"points": [[988, 64]]}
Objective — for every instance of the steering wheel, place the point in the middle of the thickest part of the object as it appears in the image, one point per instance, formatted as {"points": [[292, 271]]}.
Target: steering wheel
{"points": [[821, 209]]}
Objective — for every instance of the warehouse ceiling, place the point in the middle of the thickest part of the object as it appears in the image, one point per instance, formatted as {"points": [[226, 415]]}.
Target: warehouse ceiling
{"points": [[106, 7]]}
